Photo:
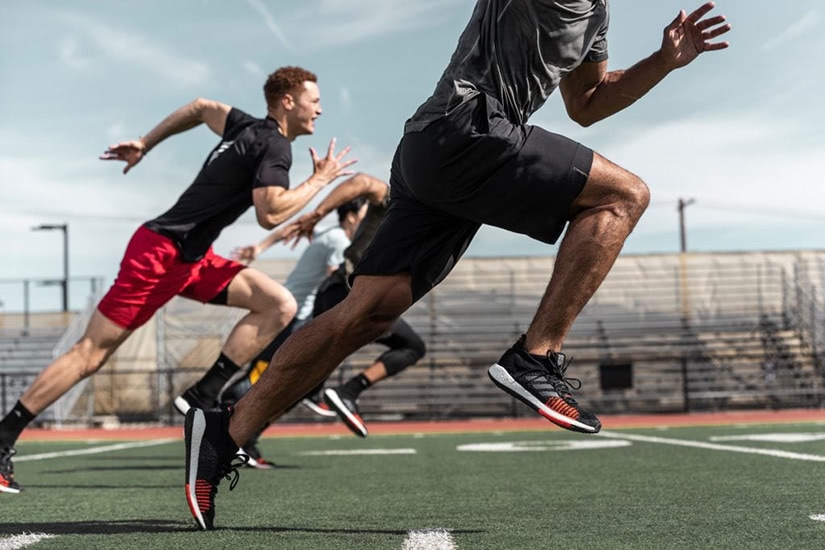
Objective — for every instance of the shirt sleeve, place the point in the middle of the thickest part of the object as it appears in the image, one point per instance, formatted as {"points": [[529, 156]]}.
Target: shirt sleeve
{"points": [[234, 120], [335, 253], [273, 168], [598, 51]]}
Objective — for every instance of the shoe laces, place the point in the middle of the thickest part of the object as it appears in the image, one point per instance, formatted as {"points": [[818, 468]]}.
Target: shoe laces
{"points": [[559, 379], [230, 470]]}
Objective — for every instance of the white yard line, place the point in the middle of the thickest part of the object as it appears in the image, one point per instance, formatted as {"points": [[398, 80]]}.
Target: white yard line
{"points": [[21, 541], [354, 452], [776, 453], [94, 450], [429, 539]]}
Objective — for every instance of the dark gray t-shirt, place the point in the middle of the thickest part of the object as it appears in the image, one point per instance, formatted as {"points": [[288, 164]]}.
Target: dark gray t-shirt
{"points": [[517, 51]]}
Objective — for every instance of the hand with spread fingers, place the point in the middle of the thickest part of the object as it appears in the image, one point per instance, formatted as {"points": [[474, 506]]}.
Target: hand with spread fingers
{"points": [[690, 35], [131, 152]]}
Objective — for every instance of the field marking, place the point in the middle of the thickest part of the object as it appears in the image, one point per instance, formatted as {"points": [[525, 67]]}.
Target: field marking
{"points": [[776, 453], [21, 541], [429, 539], [521, 446], [94, 450], [804, 437], [818, 517], [353, 452]]}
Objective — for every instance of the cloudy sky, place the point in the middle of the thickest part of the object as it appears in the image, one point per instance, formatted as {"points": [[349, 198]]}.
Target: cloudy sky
{"points": [[739, 131]]}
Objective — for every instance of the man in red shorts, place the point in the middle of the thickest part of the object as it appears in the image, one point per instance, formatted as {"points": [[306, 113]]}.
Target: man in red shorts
{"points": [[172, 255]]}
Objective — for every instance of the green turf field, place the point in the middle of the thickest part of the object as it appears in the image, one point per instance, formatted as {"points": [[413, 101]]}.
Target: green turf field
{"points": [[630, 489]]}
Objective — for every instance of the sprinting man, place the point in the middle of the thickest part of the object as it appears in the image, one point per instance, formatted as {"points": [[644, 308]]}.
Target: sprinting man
{"points": [[467, 158], [405, 346], [172, 255]]}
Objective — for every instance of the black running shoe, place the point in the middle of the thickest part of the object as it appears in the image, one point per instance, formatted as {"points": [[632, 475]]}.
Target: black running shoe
{"points": [[193, 398], [347, 409], [210, 456], [7, 482], [541, 385], [316, 404]]}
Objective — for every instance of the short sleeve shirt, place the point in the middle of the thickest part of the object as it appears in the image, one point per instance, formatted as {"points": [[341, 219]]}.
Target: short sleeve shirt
{"points": [[323, 255], [517, 51], [252, 153]]}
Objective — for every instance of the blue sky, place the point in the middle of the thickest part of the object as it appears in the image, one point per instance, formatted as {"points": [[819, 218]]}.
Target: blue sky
{"points": [[739, 131]]}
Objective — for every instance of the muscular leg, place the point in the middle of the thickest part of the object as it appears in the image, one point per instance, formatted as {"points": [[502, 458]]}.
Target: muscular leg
{"points": [[309, 355], [98, 343], [602, 217], [271, 308]]}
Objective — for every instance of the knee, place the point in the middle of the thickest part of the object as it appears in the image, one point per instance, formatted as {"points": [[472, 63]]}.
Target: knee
{"points": [[417, 347], [636, 197], [283, 307]]}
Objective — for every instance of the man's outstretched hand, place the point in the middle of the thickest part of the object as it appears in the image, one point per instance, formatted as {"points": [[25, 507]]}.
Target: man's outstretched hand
{"points": [[690, 35], [131, 152]]}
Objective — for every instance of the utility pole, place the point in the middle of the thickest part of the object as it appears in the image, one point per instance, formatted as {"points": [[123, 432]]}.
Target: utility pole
{"points": [[64, 284], [682, 232]]}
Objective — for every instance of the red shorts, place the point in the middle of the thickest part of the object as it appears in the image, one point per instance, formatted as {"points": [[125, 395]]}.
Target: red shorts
{"points": [[152, 273]]}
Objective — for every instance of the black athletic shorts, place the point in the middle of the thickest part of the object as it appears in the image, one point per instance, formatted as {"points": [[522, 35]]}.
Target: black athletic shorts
{"points": [[469, 168]]}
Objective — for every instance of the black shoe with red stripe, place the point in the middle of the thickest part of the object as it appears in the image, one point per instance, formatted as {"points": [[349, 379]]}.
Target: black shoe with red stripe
{"points": [[346, 407], [541, 384], [210, 456], [7, 482]]}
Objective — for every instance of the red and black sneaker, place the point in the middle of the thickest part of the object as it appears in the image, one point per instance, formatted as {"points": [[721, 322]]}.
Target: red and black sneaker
{"points": [[316, 404], [347, 409], [210, 456], [541, 384], [7, 482], [256, 460]]}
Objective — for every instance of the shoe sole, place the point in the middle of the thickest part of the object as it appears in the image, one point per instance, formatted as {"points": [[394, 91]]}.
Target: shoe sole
{"points": [[194, 436], [309, 404], [9, 490], [181, 405], [503, 380], [350, 420]]}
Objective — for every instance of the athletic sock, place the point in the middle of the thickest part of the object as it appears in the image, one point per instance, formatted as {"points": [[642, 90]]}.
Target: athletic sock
{"points": [[356, 385], [14, 423], [216, 378]]}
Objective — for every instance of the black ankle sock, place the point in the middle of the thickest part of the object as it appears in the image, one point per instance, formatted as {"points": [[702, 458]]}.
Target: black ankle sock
{"points": [[356, 385], [14, 423], [210, 385]]}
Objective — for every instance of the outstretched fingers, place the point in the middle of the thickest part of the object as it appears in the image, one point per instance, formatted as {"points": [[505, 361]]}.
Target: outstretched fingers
{"points": [[701, 11]]}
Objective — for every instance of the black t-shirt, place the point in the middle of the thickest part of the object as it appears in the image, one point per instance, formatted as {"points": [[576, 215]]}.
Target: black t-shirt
{"points": [[251, 154]]}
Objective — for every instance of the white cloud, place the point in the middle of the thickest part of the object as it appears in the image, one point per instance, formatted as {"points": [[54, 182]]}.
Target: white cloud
{"points": [[269, 21], [344, 99], [119, 46], [253, 68], [68, 51], [808, 22], [328, 23]]}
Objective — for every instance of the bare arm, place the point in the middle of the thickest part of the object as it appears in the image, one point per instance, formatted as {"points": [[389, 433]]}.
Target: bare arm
{"points": [[360, 185], [251, 252], [592, 94], [198, 111], [274, 205]]}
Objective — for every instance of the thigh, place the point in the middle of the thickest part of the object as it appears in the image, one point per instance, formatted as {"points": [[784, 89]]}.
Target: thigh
{"points": [[150, 275], [255, 291], [531, 193], [418, 240], [212, 277]]}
